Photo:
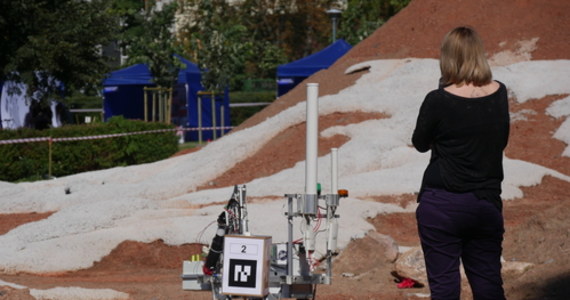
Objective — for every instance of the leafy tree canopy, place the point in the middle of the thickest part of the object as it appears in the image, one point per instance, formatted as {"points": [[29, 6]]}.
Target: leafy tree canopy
{"points": [[47, 43], [362, 18], [250, 38], [148, 38]]}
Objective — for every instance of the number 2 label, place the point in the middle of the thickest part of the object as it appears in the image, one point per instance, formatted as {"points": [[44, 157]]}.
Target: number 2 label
{"points": [[243, 249]]}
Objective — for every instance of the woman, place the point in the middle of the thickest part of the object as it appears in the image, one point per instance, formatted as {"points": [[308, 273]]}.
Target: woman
{"points": [[465, 124]]}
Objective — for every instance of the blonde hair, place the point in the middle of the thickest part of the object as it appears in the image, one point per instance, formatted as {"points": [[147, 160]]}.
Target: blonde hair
{"points": [[462, 59]]}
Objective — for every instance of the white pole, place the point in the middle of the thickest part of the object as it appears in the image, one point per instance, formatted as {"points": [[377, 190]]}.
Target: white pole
{"points": [[312, 139], [334, 171]]}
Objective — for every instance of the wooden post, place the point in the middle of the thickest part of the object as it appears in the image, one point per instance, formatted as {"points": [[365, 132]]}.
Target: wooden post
{"points": [[199, 119], [213, 101], [153, 108], [145, 104], [50, 142], [160, 105], [169, 110], [222, 121]]}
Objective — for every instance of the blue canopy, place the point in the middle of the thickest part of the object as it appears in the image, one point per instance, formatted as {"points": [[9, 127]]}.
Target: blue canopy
{"points": [[291, 74], [124, 95], [138, 74], [191, 70]]}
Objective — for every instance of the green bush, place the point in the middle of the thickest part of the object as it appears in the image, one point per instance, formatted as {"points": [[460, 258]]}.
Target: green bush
{"points": [[29, 161]]}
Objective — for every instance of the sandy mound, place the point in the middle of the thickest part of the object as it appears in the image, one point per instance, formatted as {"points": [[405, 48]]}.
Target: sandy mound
{"points": [[537, 226]]}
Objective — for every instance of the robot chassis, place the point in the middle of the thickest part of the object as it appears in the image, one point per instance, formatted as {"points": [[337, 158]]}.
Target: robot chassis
{"points": [[291, 273]]}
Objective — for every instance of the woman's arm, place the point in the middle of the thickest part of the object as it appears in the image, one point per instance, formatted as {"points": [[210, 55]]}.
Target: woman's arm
{"points": [[426, 124]]}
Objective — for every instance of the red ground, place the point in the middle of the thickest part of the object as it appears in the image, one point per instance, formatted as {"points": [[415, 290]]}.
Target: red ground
{"points": [[537, 226]]}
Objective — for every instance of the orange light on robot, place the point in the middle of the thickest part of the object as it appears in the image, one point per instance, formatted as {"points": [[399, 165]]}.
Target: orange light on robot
{"points": [[343, 193]]}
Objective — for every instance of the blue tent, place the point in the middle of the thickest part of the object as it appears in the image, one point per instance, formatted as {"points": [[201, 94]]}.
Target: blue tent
{"points": [[124, 95], [191, 77], [291, 74], [123, 92]]}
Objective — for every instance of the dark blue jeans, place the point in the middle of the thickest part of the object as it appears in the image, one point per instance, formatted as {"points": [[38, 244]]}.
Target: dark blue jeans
{"points": [[460, 226]]}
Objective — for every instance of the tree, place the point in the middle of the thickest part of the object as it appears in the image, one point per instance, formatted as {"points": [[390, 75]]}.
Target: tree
{"points": [[362, 18], [297, 26], [217, 42], [251, 38], [148, 38], [49, 44]]}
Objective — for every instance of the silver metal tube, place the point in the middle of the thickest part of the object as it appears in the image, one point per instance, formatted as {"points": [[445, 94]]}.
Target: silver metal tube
{"points": [[334, 29], [243, 210], [290, 236], [329, 265]]}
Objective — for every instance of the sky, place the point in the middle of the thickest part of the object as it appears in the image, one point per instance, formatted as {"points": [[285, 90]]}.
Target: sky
{"points": [[158, 200]]}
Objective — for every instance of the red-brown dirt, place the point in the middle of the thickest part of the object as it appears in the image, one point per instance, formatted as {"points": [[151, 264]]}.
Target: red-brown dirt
{"points": [[10, 221], [537, 226], [283, 152]]}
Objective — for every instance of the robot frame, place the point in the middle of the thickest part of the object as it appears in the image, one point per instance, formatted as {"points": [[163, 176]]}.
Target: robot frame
{"points": [[239, 265]]}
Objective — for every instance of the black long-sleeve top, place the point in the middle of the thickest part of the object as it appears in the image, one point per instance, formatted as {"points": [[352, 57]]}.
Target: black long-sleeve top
{"points": [[467, 137]]}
